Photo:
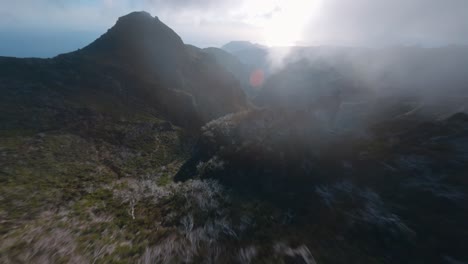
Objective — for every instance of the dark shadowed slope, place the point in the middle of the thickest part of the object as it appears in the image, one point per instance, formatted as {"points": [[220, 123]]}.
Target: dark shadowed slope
{"points": [[151, 50], [250, 54], [396, 196], [241, 71]]}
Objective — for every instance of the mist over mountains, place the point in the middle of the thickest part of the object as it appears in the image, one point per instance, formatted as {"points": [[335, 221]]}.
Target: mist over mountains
{"points": [[139, 148]]}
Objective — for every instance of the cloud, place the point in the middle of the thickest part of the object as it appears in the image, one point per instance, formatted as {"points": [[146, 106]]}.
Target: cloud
{"points": [[190, 4], [51, 15], [280, 22], [98, 15], [382, 22]]}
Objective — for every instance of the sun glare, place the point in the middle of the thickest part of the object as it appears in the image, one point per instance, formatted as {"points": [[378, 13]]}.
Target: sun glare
{"points": [[287, 22]]}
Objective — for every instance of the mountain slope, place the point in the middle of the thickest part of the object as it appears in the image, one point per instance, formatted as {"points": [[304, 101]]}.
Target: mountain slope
{"points": [[391, 197], [149, 49], [122, 111], [235, 46], [241, 71]]}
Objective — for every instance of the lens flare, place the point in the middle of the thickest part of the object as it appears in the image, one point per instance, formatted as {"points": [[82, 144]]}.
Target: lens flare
{"points": [[257, 77]]}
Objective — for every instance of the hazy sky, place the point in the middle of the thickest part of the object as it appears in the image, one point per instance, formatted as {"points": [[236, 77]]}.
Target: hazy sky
{"points": [[48, 27]]}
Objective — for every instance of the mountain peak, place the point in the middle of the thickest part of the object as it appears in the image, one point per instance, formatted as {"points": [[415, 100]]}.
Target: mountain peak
{"points": [[137, 33], [138, 17], [142, 27], [141, 41]]}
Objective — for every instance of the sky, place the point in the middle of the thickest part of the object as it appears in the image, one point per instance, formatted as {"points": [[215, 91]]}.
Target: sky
{"points": [[45, 28]]}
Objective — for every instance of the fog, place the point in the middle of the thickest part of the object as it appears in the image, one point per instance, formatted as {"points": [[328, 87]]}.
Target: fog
{"points": [[384, 23]]}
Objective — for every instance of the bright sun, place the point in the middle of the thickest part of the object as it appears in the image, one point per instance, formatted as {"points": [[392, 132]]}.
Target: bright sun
{"points": [[286, 24]]}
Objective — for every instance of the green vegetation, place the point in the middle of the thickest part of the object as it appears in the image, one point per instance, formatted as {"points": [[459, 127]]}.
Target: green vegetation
{"points": [[57, 189]]}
